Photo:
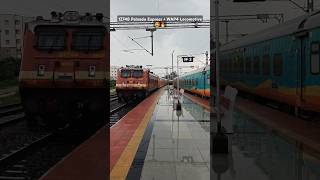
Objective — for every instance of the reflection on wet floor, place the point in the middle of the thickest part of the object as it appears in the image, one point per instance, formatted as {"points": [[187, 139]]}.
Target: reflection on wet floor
{"points": [[179, 146], [257, 152]]}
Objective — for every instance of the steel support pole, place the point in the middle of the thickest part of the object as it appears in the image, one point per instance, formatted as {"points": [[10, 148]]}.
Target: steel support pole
{"points": [[172, 65], [207, 58], [227, 31], [178, 74], [217, 43], [151, 42]]}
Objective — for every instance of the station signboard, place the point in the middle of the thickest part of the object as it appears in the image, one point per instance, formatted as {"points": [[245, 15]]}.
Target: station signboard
{"points": [[187, 59]]}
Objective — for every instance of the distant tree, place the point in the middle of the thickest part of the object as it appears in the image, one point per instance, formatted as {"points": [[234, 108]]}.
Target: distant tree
{"points": [[9, 68], [112, 84]]}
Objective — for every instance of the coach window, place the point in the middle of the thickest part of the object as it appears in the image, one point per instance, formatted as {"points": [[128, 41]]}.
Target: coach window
{"points": [[241, 66], [238, 65], [234, 65], [266, 65], [315, 58], [248, 65], [227, 65], [277, 65], [256, 65], [235, 69]]}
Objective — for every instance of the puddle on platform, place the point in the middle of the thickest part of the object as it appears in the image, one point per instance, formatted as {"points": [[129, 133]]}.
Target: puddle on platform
{"points": [[258, 152], [178, 147]]}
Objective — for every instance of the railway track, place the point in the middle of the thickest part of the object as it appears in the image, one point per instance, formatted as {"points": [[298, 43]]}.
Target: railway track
{"points": [[113, 99], [11, 113], [10, 109], [32, 160], [118, 110], [14, 164]]}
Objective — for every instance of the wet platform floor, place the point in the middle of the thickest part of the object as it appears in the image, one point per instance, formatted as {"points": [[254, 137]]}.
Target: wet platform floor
{"points": [[177, 146], [258, 152]]}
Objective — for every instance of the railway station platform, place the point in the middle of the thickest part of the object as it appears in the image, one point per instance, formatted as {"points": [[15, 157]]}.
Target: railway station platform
{"points": [[154, 141], [172, 144], [268, 144]]}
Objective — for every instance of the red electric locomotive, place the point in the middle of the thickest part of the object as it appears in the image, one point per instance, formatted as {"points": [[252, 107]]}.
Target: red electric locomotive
{"points": [[135, 81], [64, 68]]}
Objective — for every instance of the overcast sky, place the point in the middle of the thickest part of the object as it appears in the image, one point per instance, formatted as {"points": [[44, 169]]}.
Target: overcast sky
{"points": [[187, 41], [183, 41], [288, 9], [44, 7]]}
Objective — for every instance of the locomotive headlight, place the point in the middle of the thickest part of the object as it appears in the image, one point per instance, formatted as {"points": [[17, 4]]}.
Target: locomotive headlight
{"points": [[71, 16], [92, 71], [41, 69]]}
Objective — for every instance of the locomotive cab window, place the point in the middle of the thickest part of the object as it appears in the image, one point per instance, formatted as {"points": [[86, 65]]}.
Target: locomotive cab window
{"points": [[277, 65], [315, 58], [137, 73], [125, 73], [50, 39], [87, 41]]}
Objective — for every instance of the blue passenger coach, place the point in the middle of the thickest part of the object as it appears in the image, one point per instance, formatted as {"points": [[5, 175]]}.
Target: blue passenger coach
{"points": [[197, 81], [280, 63]]}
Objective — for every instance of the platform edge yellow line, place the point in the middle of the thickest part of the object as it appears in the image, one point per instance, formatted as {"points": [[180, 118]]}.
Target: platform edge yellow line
{"points": [[120, 170]]}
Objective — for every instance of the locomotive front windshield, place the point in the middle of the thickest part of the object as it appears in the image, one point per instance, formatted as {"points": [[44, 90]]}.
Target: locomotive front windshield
{"points": [[87, 41], [137, 73], [51, 39], [125, 73]]}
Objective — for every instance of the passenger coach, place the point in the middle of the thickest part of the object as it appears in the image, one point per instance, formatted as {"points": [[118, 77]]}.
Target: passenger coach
{"points": [[280, 63], [196, 82]]}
